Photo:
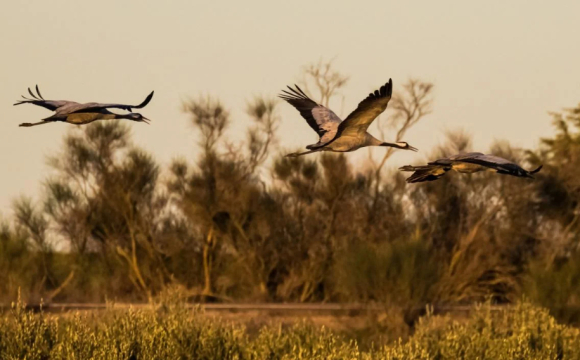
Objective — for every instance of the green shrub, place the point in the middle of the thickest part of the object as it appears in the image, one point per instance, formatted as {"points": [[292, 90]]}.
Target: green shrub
{"points": [[519, 332], [176, 332]]}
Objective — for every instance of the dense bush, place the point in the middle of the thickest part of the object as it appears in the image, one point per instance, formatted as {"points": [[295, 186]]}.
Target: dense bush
{"points": [[174, 332]]}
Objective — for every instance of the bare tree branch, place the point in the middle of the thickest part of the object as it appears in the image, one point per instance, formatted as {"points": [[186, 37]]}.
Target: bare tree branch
{"points": [[327, 81]]}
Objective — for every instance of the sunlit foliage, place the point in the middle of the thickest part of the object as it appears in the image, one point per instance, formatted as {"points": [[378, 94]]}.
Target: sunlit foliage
{"points": [[176, 332]]}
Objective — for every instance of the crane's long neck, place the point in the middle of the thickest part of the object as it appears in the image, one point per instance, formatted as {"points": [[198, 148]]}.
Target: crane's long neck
{"points": [[123, 116], [372, 141], [400, 145], [395, 145]]}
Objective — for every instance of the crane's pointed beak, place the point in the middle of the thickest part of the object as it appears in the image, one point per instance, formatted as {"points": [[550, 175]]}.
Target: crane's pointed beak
{"points": [[146, 121], [412, 148]]}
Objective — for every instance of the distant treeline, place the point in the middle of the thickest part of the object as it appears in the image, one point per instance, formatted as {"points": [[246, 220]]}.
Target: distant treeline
{"points": [[244, 223]]}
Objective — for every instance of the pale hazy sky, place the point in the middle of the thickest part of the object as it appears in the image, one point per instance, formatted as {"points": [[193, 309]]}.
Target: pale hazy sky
{"points": [[498, 66]]}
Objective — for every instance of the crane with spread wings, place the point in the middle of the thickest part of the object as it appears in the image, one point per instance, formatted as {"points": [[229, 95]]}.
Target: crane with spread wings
{"points": [[466, 163], [342, 136], [80, 114]]}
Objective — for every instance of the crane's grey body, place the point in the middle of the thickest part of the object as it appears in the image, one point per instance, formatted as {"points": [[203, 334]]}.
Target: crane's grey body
{"points": [[466, 163], [80, 114], [351, 143], [342, 136]]}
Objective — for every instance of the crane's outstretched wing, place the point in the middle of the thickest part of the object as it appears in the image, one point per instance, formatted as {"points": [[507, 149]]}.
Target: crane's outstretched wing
{"points": [[361, 118], [457, 157], [503, 166], [321, 119], [435, 169], [91, 107], [38, 100], [425, 172]]}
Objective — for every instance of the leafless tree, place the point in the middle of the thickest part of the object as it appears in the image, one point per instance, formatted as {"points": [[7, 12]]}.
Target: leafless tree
{"points": [[324, 79]]}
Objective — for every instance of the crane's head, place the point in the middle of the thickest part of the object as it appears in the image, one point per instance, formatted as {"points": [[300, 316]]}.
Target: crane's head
{"points": [[137, 117], [405, 146]]}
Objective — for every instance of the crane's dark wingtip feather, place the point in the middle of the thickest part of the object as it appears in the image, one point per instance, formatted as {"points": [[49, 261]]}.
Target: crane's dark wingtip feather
{"points": [[145, 102], [537, 169], [295, 94], [38, 92], [292, 91], [288, 93], [387, 89], [31, 94], [299, 89]]}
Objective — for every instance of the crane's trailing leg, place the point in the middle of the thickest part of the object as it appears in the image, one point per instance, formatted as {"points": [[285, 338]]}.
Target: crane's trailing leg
{"points": [[34, 124], [302, 153]]}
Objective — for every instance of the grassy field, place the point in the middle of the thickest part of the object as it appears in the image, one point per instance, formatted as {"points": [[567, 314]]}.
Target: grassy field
{"points": [[175, 332]]}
